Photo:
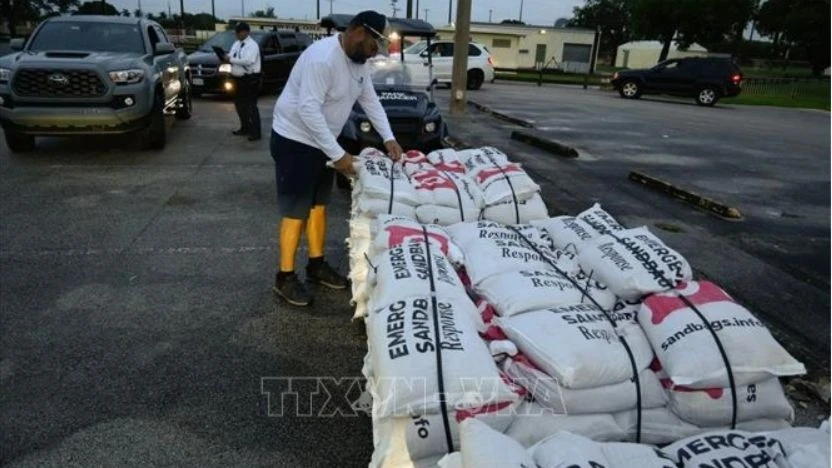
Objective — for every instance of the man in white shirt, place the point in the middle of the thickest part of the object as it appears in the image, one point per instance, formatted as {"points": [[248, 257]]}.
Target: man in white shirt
{"points": [[329, 77], [244, 58]]}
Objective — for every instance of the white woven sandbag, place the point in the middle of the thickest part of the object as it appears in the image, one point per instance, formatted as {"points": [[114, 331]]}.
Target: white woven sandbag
{"points": [[414, 269], [686, 347], [445, 215], [445, 155], [435, 187], [534, 423], [451, 460], [375, 174], [606, 399], [483, 447], [521, 212], [713, 407], [524, 290], [566, 450], [634, 263], [407, 345], [507, 183], [805, 447], [599, 220], [577, 345], [373, 207], [732, 448], [402, 441], [573, 232], [478, 159], [491, 248], [629, 455], [390, 231]]}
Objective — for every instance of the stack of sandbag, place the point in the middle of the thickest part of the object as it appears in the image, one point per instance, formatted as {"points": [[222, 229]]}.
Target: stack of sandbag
{"points": [[427, 367], [718, 363], [570, 233], [482, 447], [446, 197], [510, 195], [446, 160]]}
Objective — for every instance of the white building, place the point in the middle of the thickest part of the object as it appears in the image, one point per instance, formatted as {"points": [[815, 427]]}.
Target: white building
{"points": [[517, 46], [645, 54]]}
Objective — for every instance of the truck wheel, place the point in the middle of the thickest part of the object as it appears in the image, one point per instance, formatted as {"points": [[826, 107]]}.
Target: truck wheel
{"points": [[19, 142], [155, 135], [185, 107], [475, 79]]}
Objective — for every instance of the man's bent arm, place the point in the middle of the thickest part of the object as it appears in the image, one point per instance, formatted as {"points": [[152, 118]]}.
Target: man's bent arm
{"points": [[313, 90]]}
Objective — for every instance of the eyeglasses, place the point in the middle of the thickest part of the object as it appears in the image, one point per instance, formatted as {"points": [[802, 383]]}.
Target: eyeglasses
{"points": [[381, 41]]}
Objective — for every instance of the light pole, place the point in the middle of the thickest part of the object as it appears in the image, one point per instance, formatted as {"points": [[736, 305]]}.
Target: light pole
{"points": [[489, 15], [450, 7], [426, 14], [521, 11]]}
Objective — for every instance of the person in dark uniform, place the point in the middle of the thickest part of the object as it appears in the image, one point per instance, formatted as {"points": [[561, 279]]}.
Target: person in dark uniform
{"points": [[244, 58]]}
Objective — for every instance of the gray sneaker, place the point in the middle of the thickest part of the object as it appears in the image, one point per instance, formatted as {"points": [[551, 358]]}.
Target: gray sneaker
{"points": [[292, 290], [327, 276]]}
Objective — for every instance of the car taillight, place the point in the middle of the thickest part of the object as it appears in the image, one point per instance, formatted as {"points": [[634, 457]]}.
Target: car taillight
{"points": [[736, 78]]}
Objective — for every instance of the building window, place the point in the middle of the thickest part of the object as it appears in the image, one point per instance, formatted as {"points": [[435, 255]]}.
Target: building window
{"points": [[501, 43]]}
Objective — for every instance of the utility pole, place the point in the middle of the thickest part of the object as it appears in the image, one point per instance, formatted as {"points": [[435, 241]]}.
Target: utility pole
{"points": [[330, 6], [213, 11], [521, 11], [243, 8], [409, 9], [319, 9], [182, 16], [450, 8], [427, 10], [395, 5], [460, 67], [417, 9], [489, 15]]}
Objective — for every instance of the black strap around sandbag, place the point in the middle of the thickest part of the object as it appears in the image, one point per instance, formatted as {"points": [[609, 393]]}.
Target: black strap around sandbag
{"points": [[510, 186]]}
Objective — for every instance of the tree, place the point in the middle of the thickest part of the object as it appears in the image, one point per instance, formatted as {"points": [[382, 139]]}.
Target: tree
{"points": [[138, 13], [512, 21], [268, 13], [614, 17], [96, 7], [771, 19], [689, 21], [125, 12], [18, 11], [807, 27], [562, 22]]}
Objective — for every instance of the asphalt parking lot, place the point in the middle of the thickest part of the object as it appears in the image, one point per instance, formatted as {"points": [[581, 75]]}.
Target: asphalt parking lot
{"points": [[138, 318]]}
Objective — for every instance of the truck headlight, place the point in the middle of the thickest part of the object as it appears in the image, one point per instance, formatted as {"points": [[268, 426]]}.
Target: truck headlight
{"points": [[430, 127], [365, 127], [225, 68], [126, 76], [5, 75]]}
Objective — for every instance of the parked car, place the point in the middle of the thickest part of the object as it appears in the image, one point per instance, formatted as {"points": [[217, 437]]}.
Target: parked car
{"points": [[706, 79], [480, 64], [279, 50], [89, 75]]}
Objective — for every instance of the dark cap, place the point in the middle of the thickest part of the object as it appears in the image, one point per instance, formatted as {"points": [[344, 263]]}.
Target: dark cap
{"points": [[373, 21], [242, 27]]}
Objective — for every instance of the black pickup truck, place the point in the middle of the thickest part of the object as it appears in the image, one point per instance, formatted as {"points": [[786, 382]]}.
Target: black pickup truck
{"points": [[279, 50]]}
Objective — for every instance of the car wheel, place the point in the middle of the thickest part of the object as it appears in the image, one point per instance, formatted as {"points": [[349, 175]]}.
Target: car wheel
{"points": [[630, 90], [154, 136], [475, 79], [707, 96], [19, 142], [185, 106]]}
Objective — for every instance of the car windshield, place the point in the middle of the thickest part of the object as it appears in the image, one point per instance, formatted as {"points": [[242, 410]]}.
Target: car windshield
{"points": [[391, 73], [224, 39], [88, 36]]}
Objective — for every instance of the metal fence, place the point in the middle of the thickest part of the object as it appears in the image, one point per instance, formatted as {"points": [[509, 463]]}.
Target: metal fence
{"points": [[794, 88]]}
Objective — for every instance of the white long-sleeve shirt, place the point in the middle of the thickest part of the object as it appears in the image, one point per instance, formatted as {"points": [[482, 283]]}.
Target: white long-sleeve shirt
{"points": [[322, 89], [244, 57]]}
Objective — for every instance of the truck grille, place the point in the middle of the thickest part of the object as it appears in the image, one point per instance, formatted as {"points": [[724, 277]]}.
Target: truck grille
{"points": [[58, 83], [405, 126], [205, 70]]}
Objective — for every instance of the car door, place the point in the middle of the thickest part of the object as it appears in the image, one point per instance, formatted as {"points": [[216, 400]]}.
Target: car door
{"points": [[442, 55], [667, 77], [270, 56], [166, 64]]}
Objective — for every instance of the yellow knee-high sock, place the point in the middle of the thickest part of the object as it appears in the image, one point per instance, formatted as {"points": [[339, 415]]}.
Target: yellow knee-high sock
{"points": [[290, 232], [316, 231]]}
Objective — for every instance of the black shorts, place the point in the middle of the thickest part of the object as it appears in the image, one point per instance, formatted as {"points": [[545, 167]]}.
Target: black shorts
{"points": [[302, 178]]}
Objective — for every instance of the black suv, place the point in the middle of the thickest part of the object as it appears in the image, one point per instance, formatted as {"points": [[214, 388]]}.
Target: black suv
{"points": [[279, 50], [706, 79]]}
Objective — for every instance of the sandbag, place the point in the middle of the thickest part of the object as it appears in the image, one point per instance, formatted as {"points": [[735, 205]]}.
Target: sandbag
{"points": [[578, 345], [687, 350], [388, 231], [478, 159], [373, 207], [451, 190], [445, 215], [508, 183], [524, 290], [409, 270], [634, 263], [451, 460], [805, 447], [520, 212], [566, 450], [375, 174], [483, 447], [733, 448], [534, 423], [445, 155], [571, 233], [606, 399], [408, 346], [402, 441]]}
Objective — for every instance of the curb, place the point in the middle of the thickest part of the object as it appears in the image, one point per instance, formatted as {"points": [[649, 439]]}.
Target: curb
{"points": [[719, 209], [545, 144], [455, 143], [502, 116]]}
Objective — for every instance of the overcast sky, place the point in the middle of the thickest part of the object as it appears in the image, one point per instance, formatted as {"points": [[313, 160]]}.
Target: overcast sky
{"points": [[542, 12]]}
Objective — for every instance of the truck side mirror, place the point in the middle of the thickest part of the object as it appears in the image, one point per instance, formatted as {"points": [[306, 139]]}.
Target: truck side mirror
{"points": [[164, 48], [16, 44]]}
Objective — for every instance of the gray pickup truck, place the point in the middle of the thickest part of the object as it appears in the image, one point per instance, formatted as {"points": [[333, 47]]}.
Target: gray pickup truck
{"points": [[83, 75]]}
